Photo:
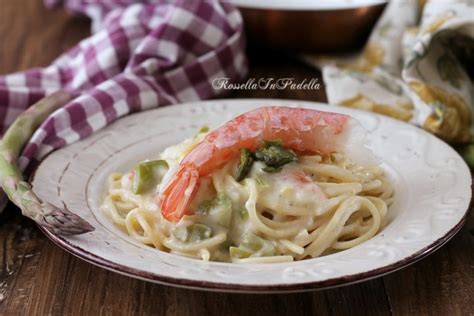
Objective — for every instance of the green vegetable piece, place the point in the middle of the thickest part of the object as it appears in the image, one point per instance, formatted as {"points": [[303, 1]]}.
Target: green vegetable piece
{"points": [[245, 165], [253, 244], [148, 174], [271, 169], [244, 214], [238, 253], [192, 233], [197, 232], [221, 210], [205, 206], [274, 155]]}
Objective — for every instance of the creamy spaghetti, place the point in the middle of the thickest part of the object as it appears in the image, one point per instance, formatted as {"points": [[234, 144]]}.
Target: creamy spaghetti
{"points": [[311, 207]]}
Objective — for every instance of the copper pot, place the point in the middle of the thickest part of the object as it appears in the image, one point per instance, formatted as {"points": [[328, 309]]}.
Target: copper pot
{"points": [[329, 30]]}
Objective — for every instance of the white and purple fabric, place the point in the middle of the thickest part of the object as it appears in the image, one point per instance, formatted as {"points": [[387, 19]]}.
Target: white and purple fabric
{"points": [[142, 54]]}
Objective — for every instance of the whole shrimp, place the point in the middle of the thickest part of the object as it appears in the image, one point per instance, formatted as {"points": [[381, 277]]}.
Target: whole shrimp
{"points": [[305, 131]]}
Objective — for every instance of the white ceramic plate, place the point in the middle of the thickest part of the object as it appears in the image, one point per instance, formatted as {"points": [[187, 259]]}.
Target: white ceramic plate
{"points": [[432, 195]]}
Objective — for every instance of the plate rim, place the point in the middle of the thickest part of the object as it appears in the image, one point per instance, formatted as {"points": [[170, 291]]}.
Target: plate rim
{"points": [[255, 288], [247, 288]]}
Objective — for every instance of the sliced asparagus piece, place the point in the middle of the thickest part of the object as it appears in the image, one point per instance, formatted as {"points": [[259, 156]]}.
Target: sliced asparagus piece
{"points": [[148, 174], [274, 155], [57, 220], [245, 165], [253, 245], [192, 233], [219, 209]]}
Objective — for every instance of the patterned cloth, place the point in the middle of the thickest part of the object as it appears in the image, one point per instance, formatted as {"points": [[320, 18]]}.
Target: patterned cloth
{"points": [[417, 66], [142, 54]]}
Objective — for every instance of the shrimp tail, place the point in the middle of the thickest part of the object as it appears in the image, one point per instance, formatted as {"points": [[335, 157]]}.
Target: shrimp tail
{"points": [[179, 193]]}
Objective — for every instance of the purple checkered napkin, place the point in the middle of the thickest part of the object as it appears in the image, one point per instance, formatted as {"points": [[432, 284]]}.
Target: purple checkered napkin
{"points": [[142, 54]]}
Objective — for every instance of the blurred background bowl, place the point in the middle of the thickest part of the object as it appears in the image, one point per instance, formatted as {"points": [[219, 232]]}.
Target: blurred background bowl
{"points": [[310, 26]]}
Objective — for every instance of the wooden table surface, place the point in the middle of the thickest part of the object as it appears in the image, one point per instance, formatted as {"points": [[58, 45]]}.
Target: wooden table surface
{"points": [[36, 277]]}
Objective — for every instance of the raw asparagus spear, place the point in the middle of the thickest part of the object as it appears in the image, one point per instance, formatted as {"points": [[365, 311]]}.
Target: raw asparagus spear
{"points": [[57, 220]]}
